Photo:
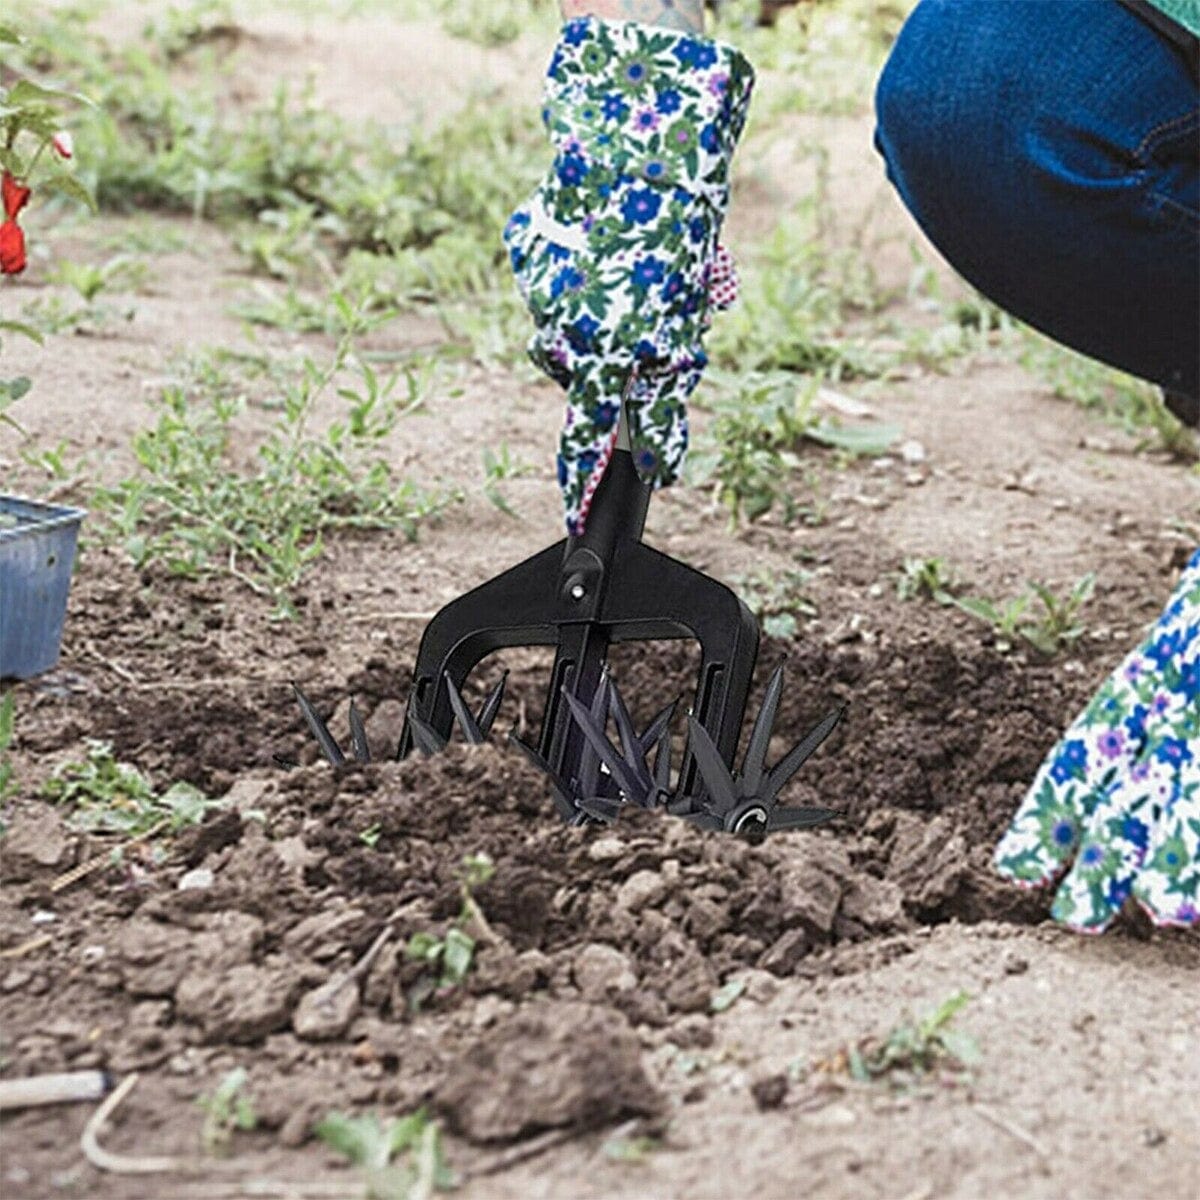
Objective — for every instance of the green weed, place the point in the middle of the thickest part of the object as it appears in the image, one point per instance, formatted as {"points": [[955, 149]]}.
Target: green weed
{"points": [[912, 1052], [8, 786], [749, 456], [929, 578], [107, 796], [449, 957], [121, 273], [1055, 626], [497, 467], [778, 600], [401, 1158], [228, 1109], [1134, 405], [200, 509]]}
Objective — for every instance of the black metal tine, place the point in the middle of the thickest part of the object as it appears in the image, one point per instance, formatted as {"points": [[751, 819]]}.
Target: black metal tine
{"points": [[427, 739], [722, 797], [358, 735], [795, 758], [563, 801], [491, 707], [589, 760], [625, 774], [601, 808], [662, 761], [760, 739], [658, 726], [799, 818], [320, 730], [463, 714], [629, 738]]}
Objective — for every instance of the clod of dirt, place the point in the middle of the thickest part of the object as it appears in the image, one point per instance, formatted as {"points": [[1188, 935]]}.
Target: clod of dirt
{"points": [[243, 1005], [552, 1064], [35, 841], [928, 861], [155, 956], [600, 972]]}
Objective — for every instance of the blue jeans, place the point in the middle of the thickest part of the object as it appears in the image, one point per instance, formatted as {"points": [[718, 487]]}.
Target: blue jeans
{"points": [[1050, 149]]}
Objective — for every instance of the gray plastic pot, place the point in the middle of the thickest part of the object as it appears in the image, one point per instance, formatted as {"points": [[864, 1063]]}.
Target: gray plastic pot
{"points": [[37, 558]]}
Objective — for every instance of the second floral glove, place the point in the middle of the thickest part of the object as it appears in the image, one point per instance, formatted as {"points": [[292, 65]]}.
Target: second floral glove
{"points": [[617, 252]]}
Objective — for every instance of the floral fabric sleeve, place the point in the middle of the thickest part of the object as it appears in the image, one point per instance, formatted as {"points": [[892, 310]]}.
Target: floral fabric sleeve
{"points": [[617, 252], [1119, 796]]}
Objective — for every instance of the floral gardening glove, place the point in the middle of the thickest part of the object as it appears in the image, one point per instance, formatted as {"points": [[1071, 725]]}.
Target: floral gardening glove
{"points": [[1120, 793], [616, 252]]}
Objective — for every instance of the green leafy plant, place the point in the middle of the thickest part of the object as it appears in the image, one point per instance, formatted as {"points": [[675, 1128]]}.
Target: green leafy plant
{"points": [[31, 121], [12, 390], [497, 467], [750, 455], [633, 1151], [1120, 399], [401, 1158], [449, 957], [8, 707], [371, 835], [228, 1109], [199, 509], [912, 1051], [1054, 627], [929, 578], [778, 599], [108, 796]]}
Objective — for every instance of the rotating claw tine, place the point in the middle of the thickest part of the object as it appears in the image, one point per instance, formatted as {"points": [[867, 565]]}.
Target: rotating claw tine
{"points": [[722, 795], [756, 751], [320, 730], [630, 776], [358, 735], [427, 739], [491, 706], [791, 762], [563, 800], [799, 818]]}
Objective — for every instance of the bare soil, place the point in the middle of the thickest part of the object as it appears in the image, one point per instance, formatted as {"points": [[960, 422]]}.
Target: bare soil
{"points": [[589, 1008]]}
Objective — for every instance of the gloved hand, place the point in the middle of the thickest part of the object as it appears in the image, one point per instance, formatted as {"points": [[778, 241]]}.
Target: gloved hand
{"points": [[1120, 792], [616, 252]]}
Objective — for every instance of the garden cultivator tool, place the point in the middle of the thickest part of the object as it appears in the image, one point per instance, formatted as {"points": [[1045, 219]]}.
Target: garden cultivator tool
{"points": [[582, 595]]}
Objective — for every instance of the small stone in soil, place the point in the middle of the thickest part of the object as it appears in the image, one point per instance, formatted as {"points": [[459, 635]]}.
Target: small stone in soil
{"points": [[770, 1092]]}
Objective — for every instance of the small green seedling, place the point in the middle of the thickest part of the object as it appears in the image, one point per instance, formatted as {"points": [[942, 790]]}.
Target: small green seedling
{"points": [[778, 599], [7, 721], [401, 1159], [1058, 625], [631, 1150], [371, 835], [497, 467], [227, 1110], [928, 578], [912, 1052], [727, 996], [450, 957]]}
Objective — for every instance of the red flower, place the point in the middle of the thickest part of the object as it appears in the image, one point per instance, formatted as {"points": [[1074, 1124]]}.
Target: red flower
{"points": [[12, 239]]}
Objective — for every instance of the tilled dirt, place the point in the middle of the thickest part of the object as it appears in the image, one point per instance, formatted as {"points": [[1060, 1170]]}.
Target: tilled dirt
{"points": [[589, 941]]}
